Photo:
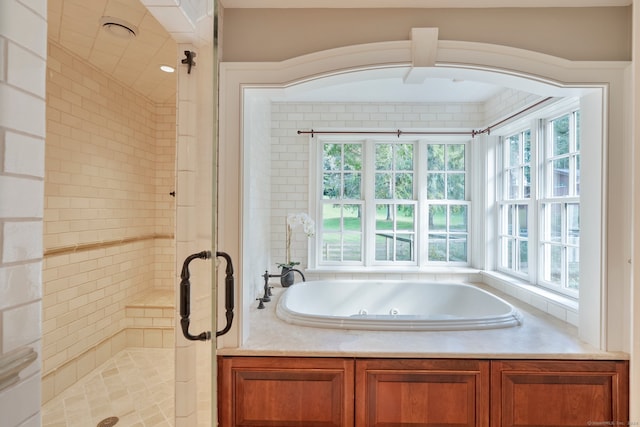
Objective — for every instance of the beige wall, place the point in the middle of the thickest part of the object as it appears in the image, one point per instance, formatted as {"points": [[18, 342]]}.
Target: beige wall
{"points": [[108, 214], [602, 34]]}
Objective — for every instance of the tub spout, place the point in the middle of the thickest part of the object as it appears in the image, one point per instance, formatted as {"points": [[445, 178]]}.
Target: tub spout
{"points": [[299, 272]]}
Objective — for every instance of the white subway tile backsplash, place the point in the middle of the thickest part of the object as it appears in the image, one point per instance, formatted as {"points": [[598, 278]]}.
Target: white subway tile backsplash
{"points": [[16, 18], [22, 241], [20, 402], [23, 155], [27, 70], [20, 191], [18, 110], [21, 326], [20, 284]]}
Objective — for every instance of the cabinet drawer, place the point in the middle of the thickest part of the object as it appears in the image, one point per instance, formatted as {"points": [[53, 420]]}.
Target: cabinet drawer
{"points": [[422, 393], [291, 392]]}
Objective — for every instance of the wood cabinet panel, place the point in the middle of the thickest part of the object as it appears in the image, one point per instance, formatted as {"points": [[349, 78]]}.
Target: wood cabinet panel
{"points": [[285, 392], [421, 393], [559, 393]]}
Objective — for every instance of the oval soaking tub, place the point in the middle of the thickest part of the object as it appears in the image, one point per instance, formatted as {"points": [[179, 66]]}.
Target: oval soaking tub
{"points": [[394, 305]]}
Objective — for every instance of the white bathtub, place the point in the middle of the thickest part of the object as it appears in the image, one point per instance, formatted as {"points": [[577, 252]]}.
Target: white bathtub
{"points": [[394, 305]]}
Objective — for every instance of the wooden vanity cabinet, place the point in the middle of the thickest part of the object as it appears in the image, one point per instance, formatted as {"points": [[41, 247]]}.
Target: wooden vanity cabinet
{"points": [[422, 392], [559, 393], [285, 391], [362, 392]]}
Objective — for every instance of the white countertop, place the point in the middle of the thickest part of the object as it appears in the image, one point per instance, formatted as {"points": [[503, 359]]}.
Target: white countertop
{"points": [[541, 336]]}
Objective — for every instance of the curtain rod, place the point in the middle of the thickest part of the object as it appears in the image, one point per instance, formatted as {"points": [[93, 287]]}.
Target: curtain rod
{"points": [[472, 133]]}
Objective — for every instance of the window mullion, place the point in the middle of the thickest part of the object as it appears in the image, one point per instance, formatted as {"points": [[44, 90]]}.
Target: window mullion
{"points": [[369, 207]]}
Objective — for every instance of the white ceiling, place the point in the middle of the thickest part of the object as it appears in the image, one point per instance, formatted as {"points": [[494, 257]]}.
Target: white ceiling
{"points": [[75, 24]]}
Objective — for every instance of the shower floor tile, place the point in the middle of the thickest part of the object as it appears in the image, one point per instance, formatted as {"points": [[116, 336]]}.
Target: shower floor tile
{"points": [[135, 385]]}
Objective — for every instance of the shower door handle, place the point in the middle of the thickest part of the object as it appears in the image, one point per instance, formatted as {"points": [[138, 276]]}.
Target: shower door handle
{"points": [[185, 298], [229, 285]]}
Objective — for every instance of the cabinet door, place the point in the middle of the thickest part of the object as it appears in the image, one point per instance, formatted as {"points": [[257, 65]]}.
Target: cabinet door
{"points": [[559, 393], [283, 391], [420, 393]]}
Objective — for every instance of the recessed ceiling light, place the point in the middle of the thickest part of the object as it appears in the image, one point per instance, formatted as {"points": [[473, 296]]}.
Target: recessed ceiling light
{"points": [[118, 27], [167, 68]]}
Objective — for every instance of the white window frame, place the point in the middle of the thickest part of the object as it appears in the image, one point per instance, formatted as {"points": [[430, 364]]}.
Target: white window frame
{"points": [[369, 202], [537, 123]]}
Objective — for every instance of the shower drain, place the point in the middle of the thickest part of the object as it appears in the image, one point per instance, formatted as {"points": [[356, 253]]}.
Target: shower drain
{"points": [[108, 422]]}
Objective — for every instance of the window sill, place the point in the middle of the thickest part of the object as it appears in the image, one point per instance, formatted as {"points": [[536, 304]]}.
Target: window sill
{"points": [[561, 306]]}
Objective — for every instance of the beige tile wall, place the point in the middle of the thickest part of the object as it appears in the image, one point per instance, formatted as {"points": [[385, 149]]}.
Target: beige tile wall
{"points": [[110, 161]]}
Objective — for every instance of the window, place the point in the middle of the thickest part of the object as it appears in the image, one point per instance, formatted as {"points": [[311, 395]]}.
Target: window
{"points": [[560, 237], [539, 233], [447, 210], [516, 205], [381, 201]]}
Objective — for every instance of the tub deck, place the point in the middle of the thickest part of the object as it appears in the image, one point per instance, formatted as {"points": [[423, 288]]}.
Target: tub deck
{"points": [[541, 336]]}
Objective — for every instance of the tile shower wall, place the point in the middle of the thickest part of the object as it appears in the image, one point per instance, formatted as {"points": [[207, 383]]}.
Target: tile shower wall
{"points": [[109, 170], [23, 53]]}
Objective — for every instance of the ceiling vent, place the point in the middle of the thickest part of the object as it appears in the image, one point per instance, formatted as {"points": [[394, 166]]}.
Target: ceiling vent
{"points": [[118, 27]]}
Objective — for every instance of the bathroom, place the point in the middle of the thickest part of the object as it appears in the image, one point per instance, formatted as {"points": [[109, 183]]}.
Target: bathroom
{"points": [[348, 39]]}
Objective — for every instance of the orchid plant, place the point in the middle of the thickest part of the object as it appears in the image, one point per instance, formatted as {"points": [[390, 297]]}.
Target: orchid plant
{"points": [[293, 221]]}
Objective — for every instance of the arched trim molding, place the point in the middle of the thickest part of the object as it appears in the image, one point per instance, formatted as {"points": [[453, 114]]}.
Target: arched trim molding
{"points": [[601, 321]]}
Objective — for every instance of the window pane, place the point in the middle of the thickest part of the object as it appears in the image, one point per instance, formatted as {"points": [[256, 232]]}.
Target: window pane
{"points": [[509, 219], [384, 157], [353, 247], [507, 253], [523, 221], [383, 185], [385, 250], [353, 157], [555, 222], [435, 160], [384, 217], [404, 247], [560, 137], [331, 217], [573, 272], [435, 186], [553, 262], [513, 176], [577, 118], [458, 248], [437, 218], [352, 185], [527, 182], [560, 177], [404, 186], [331, 247], [331, 186], [573, 224], [577, 176], [404, 157], [455, 186], [455, 157], [437, 247], [524, 257], [527, 147], [457, 218], [332, 157], [406, 217], [513, 142]]}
